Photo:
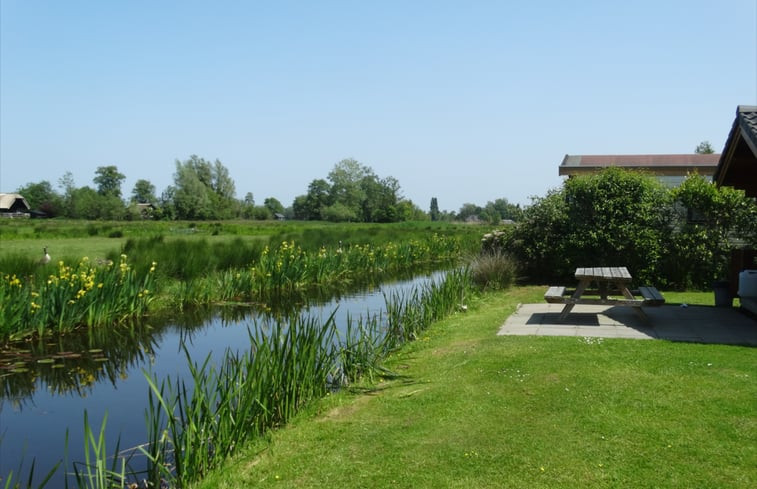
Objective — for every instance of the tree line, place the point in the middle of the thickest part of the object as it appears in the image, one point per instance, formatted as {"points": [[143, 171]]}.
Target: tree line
{"points": [[204, 190]]}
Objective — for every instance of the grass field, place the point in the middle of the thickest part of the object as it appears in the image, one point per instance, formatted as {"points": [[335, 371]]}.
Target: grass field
{"points": [[476, 410]]}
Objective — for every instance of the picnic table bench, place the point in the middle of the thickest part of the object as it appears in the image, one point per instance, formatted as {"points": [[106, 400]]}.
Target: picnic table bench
{"points": [[607, 280]]}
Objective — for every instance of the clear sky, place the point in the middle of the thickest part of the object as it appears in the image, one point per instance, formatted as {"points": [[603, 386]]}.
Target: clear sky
{"points": [[466, 101]]}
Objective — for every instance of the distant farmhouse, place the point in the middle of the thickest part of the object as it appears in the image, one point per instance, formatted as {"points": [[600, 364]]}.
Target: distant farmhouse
{"points": [[671, 170], [738, 163], [13, 205]]}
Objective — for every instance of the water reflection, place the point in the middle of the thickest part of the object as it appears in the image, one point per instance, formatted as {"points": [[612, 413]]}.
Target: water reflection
{"points": [[47, 385]]}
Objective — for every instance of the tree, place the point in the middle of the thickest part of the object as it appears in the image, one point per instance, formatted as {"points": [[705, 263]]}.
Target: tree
{"points": [[709, 218], [67, 185], [203, 190], [42, 197], [108, 180], [502, 209], [704, 148], [469, 210], [434, 210], [88, 203], [346, 189], [273, 205], [143, 192]]}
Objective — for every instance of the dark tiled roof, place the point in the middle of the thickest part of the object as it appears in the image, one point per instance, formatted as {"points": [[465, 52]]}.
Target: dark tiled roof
{"points": [[736, 163], [641, 161]]}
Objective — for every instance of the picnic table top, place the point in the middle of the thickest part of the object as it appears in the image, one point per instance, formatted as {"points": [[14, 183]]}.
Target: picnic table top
{"points": [[618, 274]]}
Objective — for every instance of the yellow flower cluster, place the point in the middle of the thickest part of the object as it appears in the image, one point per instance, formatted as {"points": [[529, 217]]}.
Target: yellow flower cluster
{"points": [[13, 281]]}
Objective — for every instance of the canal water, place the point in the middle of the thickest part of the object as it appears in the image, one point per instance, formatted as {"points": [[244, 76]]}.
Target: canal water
{"points": [[47, 388]]}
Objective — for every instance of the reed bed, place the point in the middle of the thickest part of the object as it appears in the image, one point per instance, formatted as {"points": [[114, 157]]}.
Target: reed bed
{"points": [[288, 268], [71, 296]]}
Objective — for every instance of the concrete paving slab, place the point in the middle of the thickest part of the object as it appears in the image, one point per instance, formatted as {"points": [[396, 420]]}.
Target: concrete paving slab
{"points": [[700, 324]]}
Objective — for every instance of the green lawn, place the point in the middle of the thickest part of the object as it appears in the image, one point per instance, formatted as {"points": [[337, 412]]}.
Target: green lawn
{"points": [[476, 410]]}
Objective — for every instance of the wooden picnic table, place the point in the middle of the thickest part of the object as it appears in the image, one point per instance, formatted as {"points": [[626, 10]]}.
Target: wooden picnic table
{"points": [[608, 280]]}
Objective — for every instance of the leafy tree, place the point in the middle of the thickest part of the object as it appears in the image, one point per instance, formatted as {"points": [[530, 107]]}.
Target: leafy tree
{"points": [[381, 198], [261, 213], [273, 205], [709, 219], [248, 206], [704, 148], [68, 186], [408, 211], [203, 190], [317, 199], [108, 180], [42, 197], [346, 188], [143, 192], [339, 212], [469, 210], [502, 209], [90, 204], [434, 210]]}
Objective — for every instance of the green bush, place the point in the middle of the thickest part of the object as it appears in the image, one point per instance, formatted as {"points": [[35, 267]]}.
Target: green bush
{"points": [[624, 218], [710, 221]]}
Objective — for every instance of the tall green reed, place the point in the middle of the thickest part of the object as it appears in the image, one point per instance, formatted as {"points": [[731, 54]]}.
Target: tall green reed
{"points": [[194, 425], [81, 295]]}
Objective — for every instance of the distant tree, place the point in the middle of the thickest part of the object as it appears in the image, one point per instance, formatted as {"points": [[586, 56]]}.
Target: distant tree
{"points": [[261, 213], [434, 210], [88, 203], [42, 197], [167, 207], [408, 211], [273, 205], [317, 199], [381, 198], [502, 209], [704, 148], [108, 180], [470, 210], [247, 206], [143, 192], [339, 212], [68, 186], [346, 189], [203, 190]]}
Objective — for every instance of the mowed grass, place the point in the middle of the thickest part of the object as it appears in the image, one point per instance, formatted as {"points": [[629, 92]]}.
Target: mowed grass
{"points": [[473, 409]]}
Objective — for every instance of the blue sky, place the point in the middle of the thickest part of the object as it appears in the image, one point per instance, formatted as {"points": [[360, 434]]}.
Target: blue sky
{"points": [[464, 101]]}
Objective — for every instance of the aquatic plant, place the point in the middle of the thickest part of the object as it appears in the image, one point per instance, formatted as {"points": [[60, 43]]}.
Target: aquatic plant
{"points": [[83, 295], [194, 425]]}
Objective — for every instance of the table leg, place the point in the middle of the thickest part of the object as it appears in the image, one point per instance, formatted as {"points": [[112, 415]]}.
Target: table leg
{"points": [[637, 309], [582, 285]]}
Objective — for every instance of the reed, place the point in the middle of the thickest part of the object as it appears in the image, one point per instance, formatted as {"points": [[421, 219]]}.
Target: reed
{"points": [[97, 472], [194, 425], [83, 295]]}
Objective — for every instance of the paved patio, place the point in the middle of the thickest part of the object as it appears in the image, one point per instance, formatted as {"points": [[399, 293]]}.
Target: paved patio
{"points": [[698, 324]]}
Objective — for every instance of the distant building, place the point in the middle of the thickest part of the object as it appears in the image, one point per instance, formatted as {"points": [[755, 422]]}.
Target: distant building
{"points": [[738, 163], [14, 205], [671, 170]]}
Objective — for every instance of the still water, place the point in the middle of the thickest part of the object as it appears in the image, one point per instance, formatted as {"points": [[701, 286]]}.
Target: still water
{"points": [[47, 388]]}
